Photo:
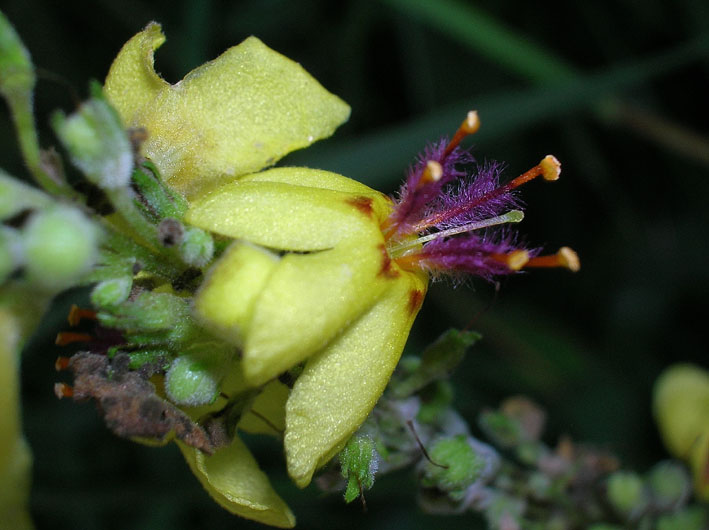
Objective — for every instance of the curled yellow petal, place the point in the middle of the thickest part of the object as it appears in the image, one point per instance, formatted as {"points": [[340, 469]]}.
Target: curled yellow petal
{"points": [[232, 477], [132, 83], [231, 116], [341, 384]]}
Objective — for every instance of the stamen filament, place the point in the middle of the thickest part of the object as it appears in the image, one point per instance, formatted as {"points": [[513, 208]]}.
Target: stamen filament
{"points": [[513, 216], [470, 125], [549, 168], [565, 257]]}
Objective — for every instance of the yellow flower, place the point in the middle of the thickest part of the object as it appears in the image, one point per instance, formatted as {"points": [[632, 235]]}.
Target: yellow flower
{"points": [[229, 117], [681, 406], [335, 298], [325, 275]]}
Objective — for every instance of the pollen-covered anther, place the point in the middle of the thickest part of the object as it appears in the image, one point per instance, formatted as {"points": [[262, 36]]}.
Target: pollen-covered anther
{"points": [[432, 173], [565, 257], [551, 168], [62, 390], [470, 125], [76, 314], [69, 337], [514, 260]]}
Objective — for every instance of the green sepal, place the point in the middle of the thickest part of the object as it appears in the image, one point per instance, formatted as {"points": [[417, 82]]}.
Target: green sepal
{"points": [[358, 463]]}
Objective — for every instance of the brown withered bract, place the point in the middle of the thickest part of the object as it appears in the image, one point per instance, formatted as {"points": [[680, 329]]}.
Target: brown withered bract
{"points": [[129, 404]]}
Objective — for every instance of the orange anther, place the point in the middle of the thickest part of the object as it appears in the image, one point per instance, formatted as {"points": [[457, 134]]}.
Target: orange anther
{"points": [[62, 363], [69, 337], [62, 390], [76, 314]]}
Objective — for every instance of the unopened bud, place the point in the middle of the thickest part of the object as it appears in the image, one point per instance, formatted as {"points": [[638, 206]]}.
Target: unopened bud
{"points": [[111, 292], [197, 247], [194, 377], [453, 467], [626, 492], [60, 246], [97, 142]]}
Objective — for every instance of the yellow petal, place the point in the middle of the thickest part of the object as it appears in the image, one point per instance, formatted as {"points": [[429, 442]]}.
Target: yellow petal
{"points": [[232, 477], [340, 385], [234, 115], [267, 414], [132, 83], [287, 216], [310, 299], [225, 302]]}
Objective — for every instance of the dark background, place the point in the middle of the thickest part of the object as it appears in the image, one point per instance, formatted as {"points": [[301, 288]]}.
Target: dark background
{"points": [[616, 89]]}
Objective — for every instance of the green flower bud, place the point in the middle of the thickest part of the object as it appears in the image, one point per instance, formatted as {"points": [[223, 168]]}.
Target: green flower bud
{"points": [[111, 292], [453, 467], [669, 485], [359, 461], [10, 251], [98, 143], [197, 247], [626, 492], [60, 246], [16, 71], [194, 377]]}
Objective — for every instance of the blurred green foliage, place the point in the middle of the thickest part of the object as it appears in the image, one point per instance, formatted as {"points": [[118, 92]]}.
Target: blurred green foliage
{"points": [[615, 89]]}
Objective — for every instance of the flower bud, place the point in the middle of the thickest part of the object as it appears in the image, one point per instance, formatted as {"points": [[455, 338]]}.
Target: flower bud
{"points": [[197, 247], [626, 492], [111, 292], [60, 246], [669, 485], [97, 143], [194, 377], [454, 466]]}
